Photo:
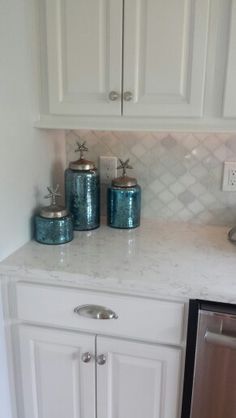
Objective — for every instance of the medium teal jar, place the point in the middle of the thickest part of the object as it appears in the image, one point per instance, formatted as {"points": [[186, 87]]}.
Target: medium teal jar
{"points": [[124, 201], [82, 190], [53, 224]]}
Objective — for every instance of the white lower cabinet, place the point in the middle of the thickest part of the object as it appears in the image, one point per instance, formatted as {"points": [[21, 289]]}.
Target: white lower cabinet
{"points": [[138, 380], [68, 374], [56, 383], [71, 363]]}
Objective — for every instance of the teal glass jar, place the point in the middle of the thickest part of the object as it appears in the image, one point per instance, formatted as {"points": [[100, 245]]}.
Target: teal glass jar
{"points": [[53, 224], [124, 201], [82, 191]]}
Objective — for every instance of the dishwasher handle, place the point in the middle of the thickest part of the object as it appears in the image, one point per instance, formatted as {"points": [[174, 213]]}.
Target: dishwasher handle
{"points": [[222, 340]]}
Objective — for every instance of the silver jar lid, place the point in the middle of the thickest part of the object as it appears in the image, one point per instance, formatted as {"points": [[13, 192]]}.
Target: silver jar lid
{"points": [[82, 164], [124, 180], [54, 210]]}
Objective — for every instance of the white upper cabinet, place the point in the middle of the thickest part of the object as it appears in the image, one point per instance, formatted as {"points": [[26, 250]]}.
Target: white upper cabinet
{"points": [[84, 43], [165, 46], [230, 87], [136, 64]]}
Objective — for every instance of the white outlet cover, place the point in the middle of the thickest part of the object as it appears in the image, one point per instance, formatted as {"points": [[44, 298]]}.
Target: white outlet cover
{"points": [[108, 169], [229, 176]]}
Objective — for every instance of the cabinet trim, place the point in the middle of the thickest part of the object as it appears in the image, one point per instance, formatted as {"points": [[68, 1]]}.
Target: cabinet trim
{"points": [[136, 124]]}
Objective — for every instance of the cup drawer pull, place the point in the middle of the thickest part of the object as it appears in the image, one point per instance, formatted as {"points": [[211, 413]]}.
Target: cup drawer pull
{"points": [[95, 312]]}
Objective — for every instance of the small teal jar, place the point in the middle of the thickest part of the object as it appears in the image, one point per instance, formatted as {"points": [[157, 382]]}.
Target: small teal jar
{"points": [[82, 190], [124, 201], [53, 224]]}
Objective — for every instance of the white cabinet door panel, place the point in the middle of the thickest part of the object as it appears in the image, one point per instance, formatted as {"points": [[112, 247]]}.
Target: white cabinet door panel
{"points": [[56, 383], [84, 43], [138, 380], [165, 46], [229, 110]]}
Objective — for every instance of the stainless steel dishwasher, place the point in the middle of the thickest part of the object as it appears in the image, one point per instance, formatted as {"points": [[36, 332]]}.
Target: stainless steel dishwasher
{"points": [[210, 369]]}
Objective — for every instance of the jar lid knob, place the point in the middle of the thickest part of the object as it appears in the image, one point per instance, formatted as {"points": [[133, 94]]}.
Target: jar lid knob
{"points": [[53, 194], [124, 165], [81, 148], [82, 164], [53, 210], [124, 180]]}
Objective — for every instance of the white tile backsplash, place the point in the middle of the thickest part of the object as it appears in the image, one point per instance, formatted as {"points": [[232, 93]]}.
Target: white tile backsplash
{"points": [[180, 174]]}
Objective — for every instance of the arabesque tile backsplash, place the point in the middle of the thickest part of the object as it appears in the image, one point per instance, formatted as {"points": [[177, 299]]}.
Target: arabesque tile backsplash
{"points": [[180, 173]]}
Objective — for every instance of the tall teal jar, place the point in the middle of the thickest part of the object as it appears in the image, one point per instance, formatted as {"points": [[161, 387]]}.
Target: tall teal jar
{"points": [[53, 224], [82, 192], [124, 201]]}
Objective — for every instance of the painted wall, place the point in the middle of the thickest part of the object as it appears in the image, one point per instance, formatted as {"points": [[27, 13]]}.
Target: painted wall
{"points": [[29, 159]]}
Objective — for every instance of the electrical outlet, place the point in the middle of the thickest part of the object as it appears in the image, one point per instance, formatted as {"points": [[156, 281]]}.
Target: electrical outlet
{"points": [[108, 169], [229, 176]]}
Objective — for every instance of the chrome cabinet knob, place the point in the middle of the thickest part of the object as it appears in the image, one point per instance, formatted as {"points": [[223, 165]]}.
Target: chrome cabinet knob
{"points": [[128, 96], [113, 96], [101, 359], [86, 357]]}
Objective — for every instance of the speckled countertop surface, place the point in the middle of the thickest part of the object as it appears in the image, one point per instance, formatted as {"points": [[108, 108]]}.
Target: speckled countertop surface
{"points": [[163, 260]]}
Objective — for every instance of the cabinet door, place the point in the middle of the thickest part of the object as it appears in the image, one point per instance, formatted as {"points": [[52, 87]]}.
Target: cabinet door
{"points": [[56, 382], [229, 110], [138, 380], [165, 46], [84, 43]]}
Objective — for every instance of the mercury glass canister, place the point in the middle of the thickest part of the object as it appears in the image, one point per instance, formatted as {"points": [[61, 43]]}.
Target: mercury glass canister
{"points": [[53, 224], [124, 200], [82, 190]]}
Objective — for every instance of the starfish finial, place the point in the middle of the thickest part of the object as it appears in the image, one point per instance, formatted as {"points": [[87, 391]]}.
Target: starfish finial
{"points": [[124, 165], [53, 194], [81, 148]]}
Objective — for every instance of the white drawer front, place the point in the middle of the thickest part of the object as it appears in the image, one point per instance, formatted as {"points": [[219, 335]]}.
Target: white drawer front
{"points": [[141, 318]]}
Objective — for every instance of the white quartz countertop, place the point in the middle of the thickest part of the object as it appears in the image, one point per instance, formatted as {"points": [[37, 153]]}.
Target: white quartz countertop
{"points": [[164, 260]]}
